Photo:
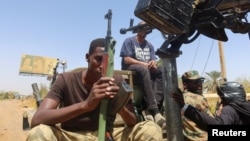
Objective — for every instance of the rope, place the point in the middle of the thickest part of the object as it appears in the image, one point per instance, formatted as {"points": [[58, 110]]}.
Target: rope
{"points": [[195, 53], [208, 57]]}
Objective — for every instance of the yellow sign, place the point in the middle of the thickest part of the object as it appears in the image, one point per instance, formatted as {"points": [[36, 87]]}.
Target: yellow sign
{"points": [[37, 65]]}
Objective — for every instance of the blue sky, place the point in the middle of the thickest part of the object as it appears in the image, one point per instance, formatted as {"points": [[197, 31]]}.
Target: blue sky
{"points": [[63, 29]]}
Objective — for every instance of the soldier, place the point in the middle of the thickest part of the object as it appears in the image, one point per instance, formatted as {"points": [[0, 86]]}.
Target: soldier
{"points": [[192, 93], [235, 109], [74, 103]]}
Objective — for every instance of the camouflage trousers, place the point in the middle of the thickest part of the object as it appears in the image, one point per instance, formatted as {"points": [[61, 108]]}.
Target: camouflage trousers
{"points": [[143, 131]]}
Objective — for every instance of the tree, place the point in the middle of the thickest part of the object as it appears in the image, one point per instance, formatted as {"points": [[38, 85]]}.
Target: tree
{"points": [[213, 79], [245, 82], [43, 90]]}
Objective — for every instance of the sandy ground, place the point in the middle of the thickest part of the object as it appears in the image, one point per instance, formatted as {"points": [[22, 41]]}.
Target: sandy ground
{"points": [[11, 120]]}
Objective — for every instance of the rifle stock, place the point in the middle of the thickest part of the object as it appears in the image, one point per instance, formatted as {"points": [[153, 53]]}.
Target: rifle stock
{"points": [[36, 94], [26, 125], [108, 70]]}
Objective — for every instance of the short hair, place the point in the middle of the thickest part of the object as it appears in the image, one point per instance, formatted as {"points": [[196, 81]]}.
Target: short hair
{"points": [[99, 42]]}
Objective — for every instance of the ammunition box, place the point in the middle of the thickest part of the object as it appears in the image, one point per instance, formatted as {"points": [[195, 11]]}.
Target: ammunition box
{"points": [[168, 16]]}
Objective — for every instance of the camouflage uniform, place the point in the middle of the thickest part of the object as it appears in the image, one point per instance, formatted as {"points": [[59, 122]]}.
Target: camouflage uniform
{"points": [[143, 131], [190, 129], [197, 100]]}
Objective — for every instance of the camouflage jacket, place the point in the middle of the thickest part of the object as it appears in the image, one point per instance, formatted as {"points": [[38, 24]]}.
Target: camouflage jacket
{"points": [[190, 129]]}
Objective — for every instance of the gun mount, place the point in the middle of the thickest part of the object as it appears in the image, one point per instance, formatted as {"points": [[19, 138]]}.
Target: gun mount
{"points": [[181, 24], [134, 29]]}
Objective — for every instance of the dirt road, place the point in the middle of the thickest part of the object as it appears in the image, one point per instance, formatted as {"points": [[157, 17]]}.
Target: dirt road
{"points": [[11, 120]]}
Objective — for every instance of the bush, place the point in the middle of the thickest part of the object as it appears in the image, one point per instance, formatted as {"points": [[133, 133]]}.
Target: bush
{"points": [[7, 95], [212, 101]]}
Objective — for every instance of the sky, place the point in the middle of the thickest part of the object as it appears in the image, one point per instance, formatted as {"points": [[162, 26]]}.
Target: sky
{"points": [[63, 29]]}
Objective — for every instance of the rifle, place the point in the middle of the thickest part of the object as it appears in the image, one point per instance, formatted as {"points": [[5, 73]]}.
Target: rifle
{"points": [[108, 70], [36, 93]]}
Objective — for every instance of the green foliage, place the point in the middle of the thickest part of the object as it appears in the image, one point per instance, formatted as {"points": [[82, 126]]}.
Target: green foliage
{"points": [[2, 95], [7, 95], [213, 79], [245, 82], [159, 63], [212, 101], [43, 90], [11, 95]]}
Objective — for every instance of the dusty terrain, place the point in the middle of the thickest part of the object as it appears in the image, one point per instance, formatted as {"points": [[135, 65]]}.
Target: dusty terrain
{"points": [[11, 119]]}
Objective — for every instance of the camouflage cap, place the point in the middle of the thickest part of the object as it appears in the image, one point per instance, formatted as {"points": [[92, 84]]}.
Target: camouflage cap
{"points": [[192, 75]]}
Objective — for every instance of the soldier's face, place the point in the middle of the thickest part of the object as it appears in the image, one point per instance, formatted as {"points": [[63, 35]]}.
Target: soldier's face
{"points": [[142, 34], [195, 86], [95, 61]]}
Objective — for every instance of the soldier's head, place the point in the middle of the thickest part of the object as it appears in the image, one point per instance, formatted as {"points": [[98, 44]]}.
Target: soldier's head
{"points": [[193, 82], [143, 29], [98, 42], [231, 92], [95, 56]]}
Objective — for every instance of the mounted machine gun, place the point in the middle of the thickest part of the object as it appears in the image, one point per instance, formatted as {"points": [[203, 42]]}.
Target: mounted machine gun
{"points": [[181, 24]]}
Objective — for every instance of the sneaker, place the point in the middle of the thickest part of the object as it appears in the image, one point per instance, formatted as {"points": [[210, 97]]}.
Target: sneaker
{"points": [[149, 117], [159, 119], [164, 126], [160, 122]]}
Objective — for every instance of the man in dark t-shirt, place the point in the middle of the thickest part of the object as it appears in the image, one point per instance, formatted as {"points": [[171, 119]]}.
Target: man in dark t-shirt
{"points": [[74, 103], [138, 55]]}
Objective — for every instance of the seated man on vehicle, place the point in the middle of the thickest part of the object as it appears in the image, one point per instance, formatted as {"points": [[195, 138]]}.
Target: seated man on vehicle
{"points": [[138, 55]]}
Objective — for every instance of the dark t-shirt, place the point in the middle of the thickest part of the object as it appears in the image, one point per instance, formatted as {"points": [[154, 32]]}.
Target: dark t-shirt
{"points": [[131, 48], [68, 89]]}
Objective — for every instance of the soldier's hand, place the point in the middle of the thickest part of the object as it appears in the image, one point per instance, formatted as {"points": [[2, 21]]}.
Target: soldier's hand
{"points": [[178, 97], [152, 66], [105, 87]]}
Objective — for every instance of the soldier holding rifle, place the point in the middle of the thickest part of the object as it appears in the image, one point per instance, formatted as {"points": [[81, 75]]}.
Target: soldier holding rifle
{"points": [[74, 103]]}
